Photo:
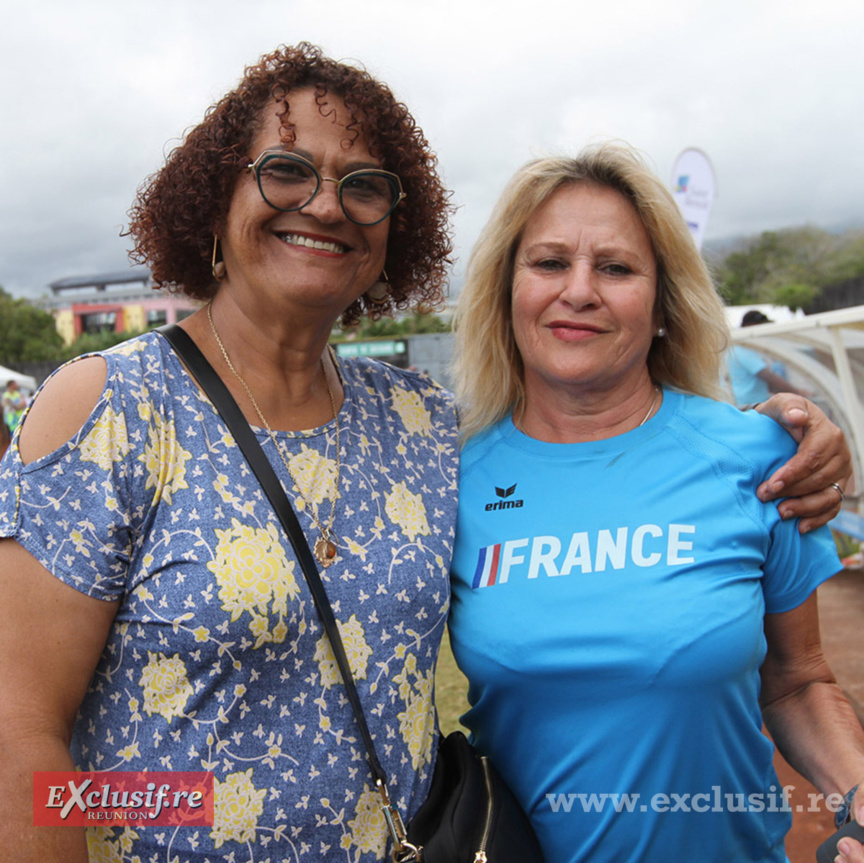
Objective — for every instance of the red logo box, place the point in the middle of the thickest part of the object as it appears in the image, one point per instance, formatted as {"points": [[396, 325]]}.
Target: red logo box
{"points": [[63, 798]]}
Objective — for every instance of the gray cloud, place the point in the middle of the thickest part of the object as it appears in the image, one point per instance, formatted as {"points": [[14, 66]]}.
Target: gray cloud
{"points": [[95, 93]]}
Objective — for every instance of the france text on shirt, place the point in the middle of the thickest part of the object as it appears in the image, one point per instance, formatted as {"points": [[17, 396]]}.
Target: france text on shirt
{"points": [[645, 545]]}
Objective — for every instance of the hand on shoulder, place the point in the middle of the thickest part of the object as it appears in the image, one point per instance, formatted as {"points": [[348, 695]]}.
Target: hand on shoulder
{"points": [[815, 478]]}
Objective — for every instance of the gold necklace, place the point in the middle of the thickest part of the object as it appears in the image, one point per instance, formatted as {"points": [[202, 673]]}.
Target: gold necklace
{"points": [[325, 545], [651, 409]]}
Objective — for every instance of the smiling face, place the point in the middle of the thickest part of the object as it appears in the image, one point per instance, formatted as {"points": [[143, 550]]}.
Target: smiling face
{"points": [[313, 258], [584, 289]]}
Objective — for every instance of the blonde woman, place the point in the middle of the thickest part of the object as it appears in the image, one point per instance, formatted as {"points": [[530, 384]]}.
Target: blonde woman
{"points": [[626, 609]]}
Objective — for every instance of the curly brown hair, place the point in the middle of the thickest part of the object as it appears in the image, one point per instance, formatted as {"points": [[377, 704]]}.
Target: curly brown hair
{"points": [[179, 208]]}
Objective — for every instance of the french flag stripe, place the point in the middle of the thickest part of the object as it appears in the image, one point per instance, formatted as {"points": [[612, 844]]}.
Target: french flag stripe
{"points": [[481, 566], [493, 568], [487, 566]]}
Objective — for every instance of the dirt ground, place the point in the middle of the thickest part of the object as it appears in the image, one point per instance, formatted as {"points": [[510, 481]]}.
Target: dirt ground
{"points": [[841, 615]]}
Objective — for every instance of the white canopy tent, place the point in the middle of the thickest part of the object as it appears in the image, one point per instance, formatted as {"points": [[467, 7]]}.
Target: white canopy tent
{"points": [[24, 381], [824, 354]]}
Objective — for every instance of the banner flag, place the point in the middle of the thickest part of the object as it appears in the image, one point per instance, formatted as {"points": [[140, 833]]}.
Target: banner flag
{"points": [[693, 189]]}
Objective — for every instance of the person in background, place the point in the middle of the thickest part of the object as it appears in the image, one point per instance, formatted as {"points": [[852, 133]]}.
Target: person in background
{"points": [[5, 438], [626, 610], [14, 403], [752, 378]]}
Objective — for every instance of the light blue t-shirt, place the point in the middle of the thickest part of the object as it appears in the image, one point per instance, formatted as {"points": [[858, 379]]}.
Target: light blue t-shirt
{"points": [[743, 366], [608, 604], [216, 660]]}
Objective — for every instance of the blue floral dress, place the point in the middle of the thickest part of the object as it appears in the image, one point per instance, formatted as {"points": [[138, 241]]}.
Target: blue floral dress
{"points": [[216, 660]]}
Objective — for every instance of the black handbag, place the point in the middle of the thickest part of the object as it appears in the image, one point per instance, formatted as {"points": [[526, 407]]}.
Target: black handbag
{"points": [[470, 815]]}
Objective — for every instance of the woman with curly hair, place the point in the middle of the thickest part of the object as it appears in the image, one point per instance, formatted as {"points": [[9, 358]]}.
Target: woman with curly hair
{"points": [[176, 629]]}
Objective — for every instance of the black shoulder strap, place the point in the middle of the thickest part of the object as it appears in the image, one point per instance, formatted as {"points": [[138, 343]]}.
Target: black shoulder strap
{"points": [[224, 402]]}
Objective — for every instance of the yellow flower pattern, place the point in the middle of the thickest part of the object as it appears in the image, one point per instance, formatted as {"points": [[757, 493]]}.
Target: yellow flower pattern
{"points": [[368, 829], [315, 477], [252, 572], [238, 805], [407, 510], [166, 686], [413, 413], [107, 442], [164, 458], [110, 844], [415, 722], [357, 652], [217, 660]]}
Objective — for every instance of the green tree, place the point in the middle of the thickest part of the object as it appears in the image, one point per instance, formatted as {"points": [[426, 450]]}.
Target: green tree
{"points": [[87, 342], [777, 266], [742, 272], [27, 334], [383, 327], [848, 263], [795, 295], [427, 324]]}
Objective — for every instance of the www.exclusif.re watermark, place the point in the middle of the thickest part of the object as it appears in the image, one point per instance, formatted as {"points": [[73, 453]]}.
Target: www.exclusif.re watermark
{"points": [[715, 800]]}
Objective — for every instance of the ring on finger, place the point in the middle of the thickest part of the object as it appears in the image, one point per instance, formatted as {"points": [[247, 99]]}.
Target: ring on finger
{"points": [[836, 486]]}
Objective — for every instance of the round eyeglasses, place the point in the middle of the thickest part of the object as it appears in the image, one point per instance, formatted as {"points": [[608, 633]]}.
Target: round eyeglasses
{"points": [[288, 182]]}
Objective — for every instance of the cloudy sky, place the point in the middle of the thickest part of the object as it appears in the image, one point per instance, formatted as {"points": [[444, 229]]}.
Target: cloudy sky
{"points": [[95, 93]]}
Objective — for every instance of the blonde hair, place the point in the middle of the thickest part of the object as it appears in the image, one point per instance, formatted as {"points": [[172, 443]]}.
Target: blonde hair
{"points": [[488, 368]]}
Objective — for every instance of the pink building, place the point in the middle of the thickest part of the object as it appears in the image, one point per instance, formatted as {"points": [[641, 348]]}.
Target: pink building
{"points": [[121, 301]]}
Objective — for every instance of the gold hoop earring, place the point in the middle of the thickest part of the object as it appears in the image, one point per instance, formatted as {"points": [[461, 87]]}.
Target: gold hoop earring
{"points": [[379, 293], [217, 267]]}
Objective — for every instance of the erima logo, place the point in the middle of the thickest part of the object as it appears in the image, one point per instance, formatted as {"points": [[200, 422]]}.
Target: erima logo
{"points": [[504, 503]]}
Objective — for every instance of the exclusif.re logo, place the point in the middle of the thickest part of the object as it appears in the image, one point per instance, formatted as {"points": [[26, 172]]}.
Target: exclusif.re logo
{"points": [[506, 500], [157, 798]]}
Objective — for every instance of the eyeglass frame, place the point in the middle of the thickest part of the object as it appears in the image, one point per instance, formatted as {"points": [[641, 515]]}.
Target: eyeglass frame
{"points": [[256, 165]]}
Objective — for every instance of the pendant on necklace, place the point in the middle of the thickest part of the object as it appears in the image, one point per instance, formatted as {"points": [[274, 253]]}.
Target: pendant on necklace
{"points": [[325, 551]]}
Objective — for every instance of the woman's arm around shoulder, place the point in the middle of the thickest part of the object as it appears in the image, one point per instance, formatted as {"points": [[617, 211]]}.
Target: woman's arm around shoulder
{"points": [[823, 458]]}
